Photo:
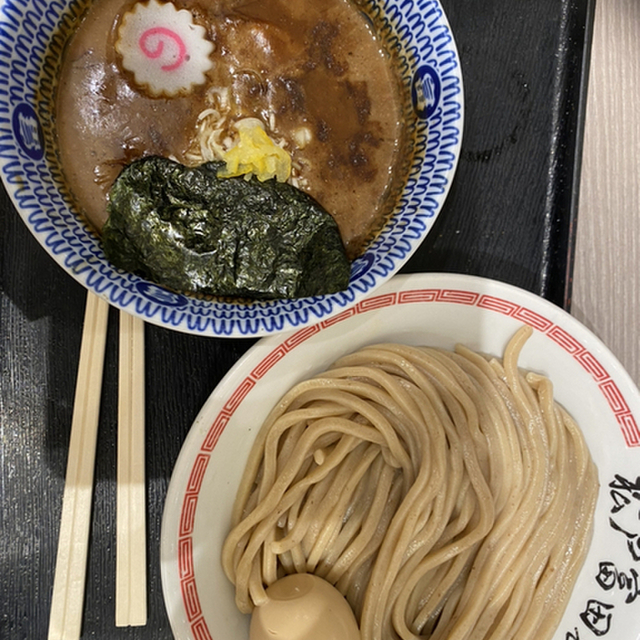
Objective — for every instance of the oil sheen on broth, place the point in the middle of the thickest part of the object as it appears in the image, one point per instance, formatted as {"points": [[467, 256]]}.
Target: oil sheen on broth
{"points": [[311, 70]]}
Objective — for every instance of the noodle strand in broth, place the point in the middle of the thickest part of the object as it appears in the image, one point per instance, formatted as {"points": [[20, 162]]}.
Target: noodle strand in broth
{"points": [[445, 494]]}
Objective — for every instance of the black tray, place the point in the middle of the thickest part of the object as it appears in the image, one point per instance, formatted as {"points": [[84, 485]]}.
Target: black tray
{"points": [[510, 215]]}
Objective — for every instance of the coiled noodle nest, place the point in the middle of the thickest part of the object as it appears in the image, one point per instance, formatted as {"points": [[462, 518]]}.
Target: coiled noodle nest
{"points": [[445, 494]]}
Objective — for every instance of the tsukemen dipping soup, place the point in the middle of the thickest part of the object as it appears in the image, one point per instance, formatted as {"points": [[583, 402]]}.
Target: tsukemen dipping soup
{"points": [[303, 93]]}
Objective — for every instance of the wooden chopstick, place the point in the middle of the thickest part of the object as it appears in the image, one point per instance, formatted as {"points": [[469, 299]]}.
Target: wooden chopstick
{"points": [[67, 601], [131, 571]]}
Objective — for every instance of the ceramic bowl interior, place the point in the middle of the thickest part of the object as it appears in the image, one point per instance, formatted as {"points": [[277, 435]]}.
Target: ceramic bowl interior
{"points": [[31, 46]]}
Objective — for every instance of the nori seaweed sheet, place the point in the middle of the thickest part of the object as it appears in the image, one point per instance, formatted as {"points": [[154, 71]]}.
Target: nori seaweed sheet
{"points": [[188, 230]]}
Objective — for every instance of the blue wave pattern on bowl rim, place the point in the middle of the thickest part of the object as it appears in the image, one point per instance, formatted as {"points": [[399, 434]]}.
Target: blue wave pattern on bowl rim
{"points": [[429, 62]]}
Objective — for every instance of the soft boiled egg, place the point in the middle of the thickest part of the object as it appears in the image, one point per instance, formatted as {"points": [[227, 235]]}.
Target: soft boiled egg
{"points": [[303, 607]]}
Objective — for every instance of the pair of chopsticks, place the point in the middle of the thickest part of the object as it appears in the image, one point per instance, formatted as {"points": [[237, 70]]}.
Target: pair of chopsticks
{"points": [[65, 622]]}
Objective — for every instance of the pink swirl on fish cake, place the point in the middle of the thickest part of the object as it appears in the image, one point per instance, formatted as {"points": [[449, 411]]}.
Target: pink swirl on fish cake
{"points": [[163, 32]]}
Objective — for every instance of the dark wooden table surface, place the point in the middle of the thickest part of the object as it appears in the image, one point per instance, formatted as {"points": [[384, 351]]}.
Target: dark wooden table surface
{"points": [[510, 215]]}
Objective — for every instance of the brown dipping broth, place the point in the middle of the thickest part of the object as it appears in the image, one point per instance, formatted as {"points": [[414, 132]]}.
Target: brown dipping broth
{"points": [[312, 64]]}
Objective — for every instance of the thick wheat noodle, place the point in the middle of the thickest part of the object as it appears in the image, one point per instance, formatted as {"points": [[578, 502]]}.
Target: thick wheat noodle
{"points": [[354, 580], [338, 501], [252, 502], [357, 545], [353, 402], [352, 520], [402, 530], [504, 544], [507, 450], [270, 467], [303, 512], [502, 449], [427, 611], [289, 402], [462, 412], [304, 449], [445, 494], [409, 582], [284, 498], [287, 496], [400, 400], [558, 575]]}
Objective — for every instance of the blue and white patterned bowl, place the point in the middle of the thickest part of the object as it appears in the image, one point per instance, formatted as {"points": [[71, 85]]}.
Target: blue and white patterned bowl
{"points": [[28, 54]]}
